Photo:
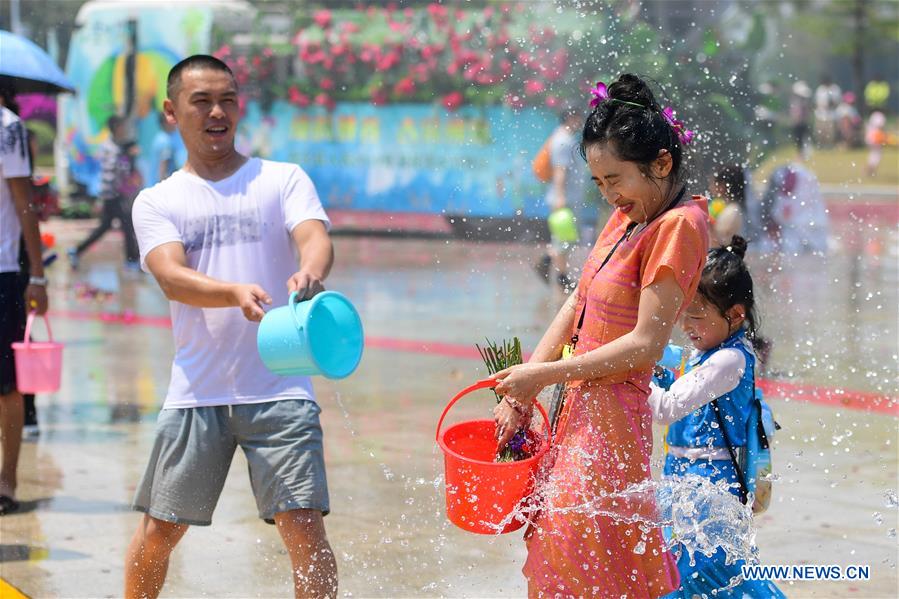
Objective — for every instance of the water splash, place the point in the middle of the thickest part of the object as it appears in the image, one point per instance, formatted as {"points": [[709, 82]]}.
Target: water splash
{"points": [[701, 516]]}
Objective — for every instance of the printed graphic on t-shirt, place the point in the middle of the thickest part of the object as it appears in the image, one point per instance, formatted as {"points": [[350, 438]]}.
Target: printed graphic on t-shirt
{"points": [[12, 139], [219, 230]]}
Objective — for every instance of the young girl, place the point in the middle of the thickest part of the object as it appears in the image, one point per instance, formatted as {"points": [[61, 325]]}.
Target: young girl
{"points": [[643, 270], [720, 322]]}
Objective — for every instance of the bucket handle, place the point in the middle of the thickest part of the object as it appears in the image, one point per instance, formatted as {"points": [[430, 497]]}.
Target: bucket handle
{"points": [[30, 322], [483, 384], [291, 302]]}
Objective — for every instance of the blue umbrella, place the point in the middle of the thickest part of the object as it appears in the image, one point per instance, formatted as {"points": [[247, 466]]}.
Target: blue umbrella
{"points": [[29, 68]]}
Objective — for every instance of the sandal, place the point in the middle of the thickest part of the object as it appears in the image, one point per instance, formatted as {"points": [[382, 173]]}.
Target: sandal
{"points": [[7, 505]]}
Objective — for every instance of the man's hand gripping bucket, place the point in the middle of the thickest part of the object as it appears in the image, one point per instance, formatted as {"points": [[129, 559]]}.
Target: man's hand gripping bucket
{"points": [[481, 493]]}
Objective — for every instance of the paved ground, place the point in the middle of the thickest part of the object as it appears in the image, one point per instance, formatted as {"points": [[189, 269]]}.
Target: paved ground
{"points": [[834, 327]]}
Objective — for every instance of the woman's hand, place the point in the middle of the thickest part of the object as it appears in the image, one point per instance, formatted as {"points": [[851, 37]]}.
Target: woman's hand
{"points": [[524, 381], [509, 417], [519, 386]]}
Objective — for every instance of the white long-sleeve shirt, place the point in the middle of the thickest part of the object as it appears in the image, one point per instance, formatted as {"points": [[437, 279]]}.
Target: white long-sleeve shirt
{"points": [[718, 375]]}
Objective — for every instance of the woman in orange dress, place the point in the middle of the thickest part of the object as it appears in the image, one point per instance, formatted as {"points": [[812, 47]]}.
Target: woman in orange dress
{"points": [[643, 270]]}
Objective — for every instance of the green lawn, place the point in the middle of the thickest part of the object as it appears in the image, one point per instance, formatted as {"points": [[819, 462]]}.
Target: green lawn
{"points": [[836, 166]]}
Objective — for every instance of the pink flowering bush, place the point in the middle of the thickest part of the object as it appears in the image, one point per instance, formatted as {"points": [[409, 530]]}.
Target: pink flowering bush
{"points": [[447, 55]]}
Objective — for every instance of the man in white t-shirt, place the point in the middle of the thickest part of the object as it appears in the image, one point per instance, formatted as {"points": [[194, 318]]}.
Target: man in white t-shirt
{"points": [[223, 236], [17, 221]]}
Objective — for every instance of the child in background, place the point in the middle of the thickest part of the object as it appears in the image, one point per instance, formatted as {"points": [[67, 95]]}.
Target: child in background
{"points": [[728, 205], [720, 322], [875, 139]]}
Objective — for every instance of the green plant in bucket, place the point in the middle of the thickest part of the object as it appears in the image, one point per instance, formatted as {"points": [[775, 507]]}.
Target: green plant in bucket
{"points": [[499, 357]]}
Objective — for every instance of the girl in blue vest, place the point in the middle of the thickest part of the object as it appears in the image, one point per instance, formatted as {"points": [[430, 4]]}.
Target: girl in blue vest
{"points": [[720, 322]]}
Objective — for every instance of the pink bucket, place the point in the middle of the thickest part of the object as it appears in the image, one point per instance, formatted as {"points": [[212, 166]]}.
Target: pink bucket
{"points": [[38, 364]]}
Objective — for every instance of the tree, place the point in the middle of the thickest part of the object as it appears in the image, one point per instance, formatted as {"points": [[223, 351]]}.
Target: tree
{"points": [[829, 35]]}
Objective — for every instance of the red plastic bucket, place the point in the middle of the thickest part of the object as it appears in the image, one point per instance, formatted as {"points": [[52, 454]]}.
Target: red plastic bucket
{"points": [[38, 364], [480, 493]]}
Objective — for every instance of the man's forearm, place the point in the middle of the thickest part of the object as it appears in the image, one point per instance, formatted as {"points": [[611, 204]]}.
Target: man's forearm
{"points": [[187, 286], [316, 255], [20, 187]]}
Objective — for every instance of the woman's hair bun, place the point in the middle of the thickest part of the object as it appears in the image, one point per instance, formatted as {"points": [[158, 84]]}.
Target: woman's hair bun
{"points": [[631, 88], [738, 246]]}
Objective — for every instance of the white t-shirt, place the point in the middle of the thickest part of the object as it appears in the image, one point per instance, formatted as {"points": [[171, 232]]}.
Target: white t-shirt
{"points": [[235, 230], [14, 163]]}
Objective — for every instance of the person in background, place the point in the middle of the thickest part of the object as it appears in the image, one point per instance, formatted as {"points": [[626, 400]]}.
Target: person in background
{"points": [[769, 111], [798, 222], [827, 98], [875, 139], [40, 200], [119, 185], [848, 121], [799, 115], [728, 205], [877, 93], [166, 153], [17, 295], [564, 192]]}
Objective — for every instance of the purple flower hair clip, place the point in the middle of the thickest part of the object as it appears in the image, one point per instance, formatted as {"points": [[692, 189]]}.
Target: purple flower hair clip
{"points": [[600, 94], [683, 134]]}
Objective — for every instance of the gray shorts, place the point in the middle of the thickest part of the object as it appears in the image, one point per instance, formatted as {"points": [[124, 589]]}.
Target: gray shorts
{"points": [[282, 441]]}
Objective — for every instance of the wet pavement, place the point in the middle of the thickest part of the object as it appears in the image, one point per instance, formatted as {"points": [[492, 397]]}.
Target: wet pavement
{"points": [[424, 304]]}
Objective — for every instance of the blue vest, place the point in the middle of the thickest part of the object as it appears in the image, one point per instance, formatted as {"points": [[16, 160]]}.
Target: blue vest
{"points": [[695, 429]]}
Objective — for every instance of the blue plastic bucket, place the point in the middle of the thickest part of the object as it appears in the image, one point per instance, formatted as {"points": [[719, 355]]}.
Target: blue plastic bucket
{"points": [[322, 335], [673, 357]]}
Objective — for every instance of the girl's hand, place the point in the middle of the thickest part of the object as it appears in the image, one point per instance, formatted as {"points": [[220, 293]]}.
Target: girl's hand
{"points": [[523, 382]]}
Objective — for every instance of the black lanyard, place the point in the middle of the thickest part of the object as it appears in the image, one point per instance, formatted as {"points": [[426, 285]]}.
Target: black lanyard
{"points": [[627, 232]]}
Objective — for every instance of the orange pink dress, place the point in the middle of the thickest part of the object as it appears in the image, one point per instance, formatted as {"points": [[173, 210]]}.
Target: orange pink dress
{"points": [[585, 543]]}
